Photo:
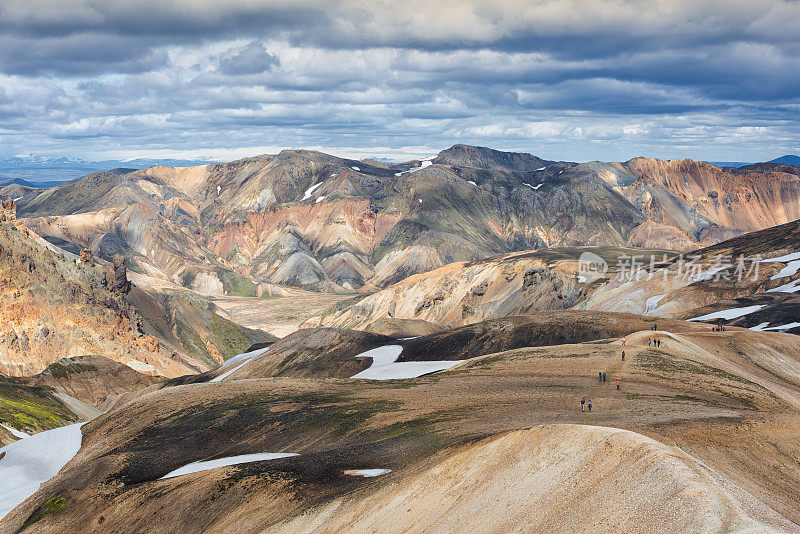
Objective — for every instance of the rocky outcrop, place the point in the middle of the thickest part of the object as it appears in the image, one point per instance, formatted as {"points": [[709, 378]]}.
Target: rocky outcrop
{"points": [[86, 257], [119, 282], [8, 210]]}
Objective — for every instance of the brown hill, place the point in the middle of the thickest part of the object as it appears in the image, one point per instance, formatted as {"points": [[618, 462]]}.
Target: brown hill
{"points": [[708, 443]]}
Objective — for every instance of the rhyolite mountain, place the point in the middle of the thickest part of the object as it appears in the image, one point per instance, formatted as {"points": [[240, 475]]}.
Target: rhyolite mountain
{"points": [[309, 219], [54, 305]]}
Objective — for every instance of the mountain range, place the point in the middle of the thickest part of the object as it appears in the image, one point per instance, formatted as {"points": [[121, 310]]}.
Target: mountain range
{"points": [[309, 219]]}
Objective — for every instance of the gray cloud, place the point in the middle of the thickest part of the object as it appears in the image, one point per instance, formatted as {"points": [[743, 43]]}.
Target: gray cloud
{"points": [[582, 80], [251, 59]]}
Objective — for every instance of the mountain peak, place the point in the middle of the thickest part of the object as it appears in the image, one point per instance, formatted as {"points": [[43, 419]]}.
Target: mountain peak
{"points": [[488, 158]]}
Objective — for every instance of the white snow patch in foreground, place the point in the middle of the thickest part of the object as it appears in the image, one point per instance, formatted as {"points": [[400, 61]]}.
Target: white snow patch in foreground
{"points": [[534, 188], [651, 304], [34, 460], [759, 327], [733, 313], [219, 189], [243, 358], [310, 191], [207, 465], [319, 199], [541, 168], [355, 168], [16, 433], [472, 182], [385, 366], [366, 473]]}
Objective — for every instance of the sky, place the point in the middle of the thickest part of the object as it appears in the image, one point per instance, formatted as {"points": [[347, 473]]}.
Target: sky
{"points": [[570, 80]]}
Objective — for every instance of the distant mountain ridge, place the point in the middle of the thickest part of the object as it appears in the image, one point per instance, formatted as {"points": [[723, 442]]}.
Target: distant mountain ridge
{"points": [[42, 169], [785, 160], [788, 159]]}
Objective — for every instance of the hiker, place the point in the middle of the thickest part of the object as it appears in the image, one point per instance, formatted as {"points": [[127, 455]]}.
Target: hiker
{"points": [[648, 341], [599, 376], [604, 377], [583, 401], [590, 406], [623, 341], [617, 385], [659, 343], [623, 355]]}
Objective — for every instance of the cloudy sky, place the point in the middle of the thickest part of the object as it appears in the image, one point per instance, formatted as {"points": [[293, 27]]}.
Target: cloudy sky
{"points": [[564, 79]]}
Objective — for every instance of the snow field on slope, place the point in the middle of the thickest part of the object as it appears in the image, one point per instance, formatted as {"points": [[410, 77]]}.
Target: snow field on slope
{"points": [[243, 358], [385, 366], [33, 460], [310, 191], [207, 465], [732, 313]]}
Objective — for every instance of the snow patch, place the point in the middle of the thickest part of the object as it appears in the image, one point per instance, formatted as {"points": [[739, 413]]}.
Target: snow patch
{"points": [[219, 189], [783, 259], [355, 168], [542, 168], [310, 190], [385, 366], [472, 182], [784, 326], [759, 327], [207, 465], [789, 270], [791, 287], [366, 473], [241, 360], [319, 199], [423, 164], [534, 188], [30, 462], [16, 433], [733, 313]]}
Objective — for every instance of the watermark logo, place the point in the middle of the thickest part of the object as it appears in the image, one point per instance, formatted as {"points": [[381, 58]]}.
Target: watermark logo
{"points": [[591, 267], [692, 268]]}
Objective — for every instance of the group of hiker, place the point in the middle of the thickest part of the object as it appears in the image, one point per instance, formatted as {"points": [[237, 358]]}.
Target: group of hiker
{"points": [[718, 328], [601, 376]]}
